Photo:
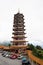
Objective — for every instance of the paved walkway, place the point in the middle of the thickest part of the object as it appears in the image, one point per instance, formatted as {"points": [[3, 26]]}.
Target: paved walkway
{"points": [[7, 61]]}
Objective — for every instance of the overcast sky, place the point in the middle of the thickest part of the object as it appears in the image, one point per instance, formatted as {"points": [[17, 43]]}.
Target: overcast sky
{"points": [[33, 14]]}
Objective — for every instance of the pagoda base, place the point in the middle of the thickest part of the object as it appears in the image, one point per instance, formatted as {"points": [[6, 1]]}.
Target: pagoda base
{"points": [[19, 48], [16, 48]]}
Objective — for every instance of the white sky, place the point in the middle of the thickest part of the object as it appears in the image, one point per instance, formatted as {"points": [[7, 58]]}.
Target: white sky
{"points": [[33, 14]]}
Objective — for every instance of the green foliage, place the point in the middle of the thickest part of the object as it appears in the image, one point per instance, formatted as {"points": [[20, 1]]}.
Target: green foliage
{"points": [[37, 51], [9, 45], [38, 47], [31, 47]]}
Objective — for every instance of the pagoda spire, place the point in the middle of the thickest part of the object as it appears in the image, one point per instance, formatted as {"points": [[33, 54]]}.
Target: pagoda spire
{"points": [[18, 10]]}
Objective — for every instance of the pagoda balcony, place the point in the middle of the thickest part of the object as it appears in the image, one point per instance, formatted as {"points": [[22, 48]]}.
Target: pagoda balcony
{"points": [[20, 23], [18, 26], [16, 22], [18, 33], [20, 20], [18, 37], [18, 46], [18, 15], [18, 41], [18, 29]]}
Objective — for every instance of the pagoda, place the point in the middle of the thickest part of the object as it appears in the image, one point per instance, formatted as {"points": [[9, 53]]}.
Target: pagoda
{"points": [[18, 30]]}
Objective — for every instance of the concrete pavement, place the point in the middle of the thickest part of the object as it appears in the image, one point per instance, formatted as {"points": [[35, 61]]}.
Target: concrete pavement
{"points": [[7, 61]]}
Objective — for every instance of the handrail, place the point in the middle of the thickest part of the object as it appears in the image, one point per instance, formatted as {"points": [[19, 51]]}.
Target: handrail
{"points": [[34, 58]]}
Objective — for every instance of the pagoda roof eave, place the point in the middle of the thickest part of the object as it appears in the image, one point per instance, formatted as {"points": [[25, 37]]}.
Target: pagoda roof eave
{"points": [[19, 41], [19, 37], [14, 47], [18, 46]]}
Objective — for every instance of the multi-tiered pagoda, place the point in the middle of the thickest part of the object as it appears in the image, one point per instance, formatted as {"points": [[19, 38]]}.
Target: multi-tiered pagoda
{"points": [[18, 30]]}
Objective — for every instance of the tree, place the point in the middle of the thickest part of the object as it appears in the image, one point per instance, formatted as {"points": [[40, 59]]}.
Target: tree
{"points": [[39, 47], [9, 45], [31, 47]]}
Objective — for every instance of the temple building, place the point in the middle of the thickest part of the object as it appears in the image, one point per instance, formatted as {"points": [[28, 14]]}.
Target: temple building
{"points": [[18, 30]]}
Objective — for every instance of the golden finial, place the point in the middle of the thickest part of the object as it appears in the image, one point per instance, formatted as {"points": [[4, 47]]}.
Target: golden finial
{"points": [[18, 10]]}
